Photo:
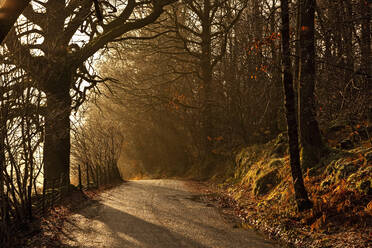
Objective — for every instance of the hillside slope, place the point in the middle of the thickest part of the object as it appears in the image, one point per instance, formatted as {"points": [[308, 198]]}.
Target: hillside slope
{"points": [[340, 186]]}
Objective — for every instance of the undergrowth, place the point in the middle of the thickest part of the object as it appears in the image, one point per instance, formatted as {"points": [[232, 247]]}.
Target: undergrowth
{"points": [[339, 187]]}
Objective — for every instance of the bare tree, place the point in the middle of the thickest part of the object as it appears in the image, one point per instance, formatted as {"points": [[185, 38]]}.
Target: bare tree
{"points": [[20, 146], [301, 196], [96, 147], [55, 58]]}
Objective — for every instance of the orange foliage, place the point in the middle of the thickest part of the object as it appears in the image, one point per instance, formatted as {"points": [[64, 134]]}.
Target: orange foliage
{"points": [[304, 28]]}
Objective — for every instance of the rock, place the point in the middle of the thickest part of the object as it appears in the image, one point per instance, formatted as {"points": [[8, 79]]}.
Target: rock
{"points": [[266, 182], [346, 144]]}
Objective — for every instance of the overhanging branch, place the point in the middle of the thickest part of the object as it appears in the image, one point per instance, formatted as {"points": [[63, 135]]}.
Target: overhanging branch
{"points": [[10, 10]]}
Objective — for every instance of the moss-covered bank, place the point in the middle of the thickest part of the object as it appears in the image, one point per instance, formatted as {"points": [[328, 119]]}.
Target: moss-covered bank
{"points": [[340, 186]]}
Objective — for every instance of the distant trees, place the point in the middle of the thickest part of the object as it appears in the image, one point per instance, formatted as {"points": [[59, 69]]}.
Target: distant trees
{"points": [[97, 141], [153, 103], [204, 27], [168, 76], [342, 87]]}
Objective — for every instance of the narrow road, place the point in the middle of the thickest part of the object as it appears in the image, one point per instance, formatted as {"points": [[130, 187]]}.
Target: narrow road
{"points": [[155, 214]]}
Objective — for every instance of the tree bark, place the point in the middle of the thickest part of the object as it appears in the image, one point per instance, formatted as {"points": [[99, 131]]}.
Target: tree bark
{"points": [[2, 167], [310, 136], [301, 196], [57, 132]]}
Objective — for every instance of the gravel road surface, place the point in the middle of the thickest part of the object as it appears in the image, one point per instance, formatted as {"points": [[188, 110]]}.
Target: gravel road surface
{"points": [[155, 214]]}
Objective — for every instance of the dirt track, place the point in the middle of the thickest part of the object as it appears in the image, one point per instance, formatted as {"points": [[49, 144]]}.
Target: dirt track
{"points": [[155, 214]]}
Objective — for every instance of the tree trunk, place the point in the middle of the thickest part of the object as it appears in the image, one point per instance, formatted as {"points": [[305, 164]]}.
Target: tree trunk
{"points": [[2, 168], [206, 74], [57, 132], [301, 196], [348, 39], [296, 69], [277, 120], [87, 172], [207, 107], [79, 176], [311, 141]]}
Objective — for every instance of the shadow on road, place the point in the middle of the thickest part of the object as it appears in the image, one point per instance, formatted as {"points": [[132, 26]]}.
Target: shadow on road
{"points": [[154, 214], [125, 230]]}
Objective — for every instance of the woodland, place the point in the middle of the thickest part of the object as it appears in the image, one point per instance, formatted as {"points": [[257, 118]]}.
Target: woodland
{"points": [[268, 100]]}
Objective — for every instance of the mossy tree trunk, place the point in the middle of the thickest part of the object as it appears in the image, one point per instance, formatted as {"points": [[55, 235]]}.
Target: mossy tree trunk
{"points": [[301, 196], [310, 136]]}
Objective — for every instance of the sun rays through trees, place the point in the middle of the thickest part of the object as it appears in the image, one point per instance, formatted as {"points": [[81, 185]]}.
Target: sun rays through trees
{"points": [[93, 92]]}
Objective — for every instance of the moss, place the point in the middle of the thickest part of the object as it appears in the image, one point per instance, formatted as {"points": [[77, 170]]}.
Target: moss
{"points": [[247, 160], [325, 183], [361, 180], [345, 170], [329, 161], [365, 186]]}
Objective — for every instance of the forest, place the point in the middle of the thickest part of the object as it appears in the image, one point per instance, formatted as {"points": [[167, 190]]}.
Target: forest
{"points": [[269, 101]]}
